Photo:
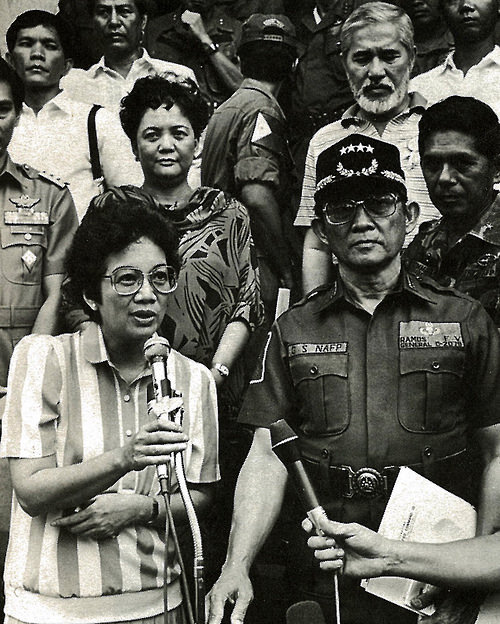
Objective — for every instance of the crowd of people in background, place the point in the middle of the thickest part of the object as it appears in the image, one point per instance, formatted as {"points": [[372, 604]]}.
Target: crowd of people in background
{"points": [[175, 166]]}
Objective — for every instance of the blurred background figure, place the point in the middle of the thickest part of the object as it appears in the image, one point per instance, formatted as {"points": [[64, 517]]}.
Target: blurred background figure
{"points": [[433, 40], [119, 30], [201, 35]]}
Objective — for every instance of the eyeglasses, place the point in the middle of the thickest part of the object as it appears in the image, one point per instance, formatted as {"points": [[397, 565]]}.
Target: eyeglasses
{"points": [[377, 206], [129, 280]]}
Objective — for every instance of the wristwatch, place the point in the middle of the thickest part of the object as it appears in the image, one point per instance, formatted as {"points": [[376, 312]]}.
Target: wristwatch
{"points": [[211, 48], [222, 369], [154, 512]]}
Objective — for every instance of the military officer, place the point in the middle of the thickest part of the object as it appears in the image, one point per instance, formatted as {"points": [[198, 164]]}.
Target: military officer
{"points": [[459, 144], [374, 371], [38, 221]]}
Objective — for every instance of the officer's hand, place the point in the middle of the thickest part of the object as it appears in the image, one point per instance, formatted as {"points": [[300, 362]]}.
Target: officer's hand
{"points": [[234, 586], [196, 26]]}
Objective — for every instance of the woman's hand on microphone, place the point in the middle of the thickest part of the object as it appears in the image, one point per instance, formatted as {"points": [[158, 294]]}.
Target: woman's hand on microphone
{"points": [[157, 440]]}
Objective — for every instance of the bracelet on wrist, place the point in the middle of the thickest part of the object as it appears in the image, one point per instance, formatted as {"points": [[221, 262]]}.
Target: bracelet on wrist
{"points": [[155, 511], [210, 48], [222, 369]]}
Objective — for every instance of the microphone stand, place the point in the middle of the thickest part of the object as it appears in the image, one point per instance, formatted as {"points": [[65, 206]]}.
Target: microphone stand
{"points": [[156, 351]]}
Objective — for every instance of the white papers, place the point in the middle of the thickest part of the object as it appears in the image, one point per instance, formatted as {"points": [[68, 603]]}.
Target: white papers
{"points": [[419, 511]]}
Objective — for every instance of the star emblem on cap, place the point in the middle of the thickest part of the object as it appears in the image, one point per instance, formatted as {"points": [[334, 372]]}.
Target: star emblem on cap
{"points": [[351, 148], [360, 147]]}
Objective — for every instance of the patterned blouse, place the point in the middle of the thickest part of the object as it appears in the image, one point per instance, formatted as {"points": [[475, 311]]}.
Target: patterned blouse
{"points": [[218, 280]]}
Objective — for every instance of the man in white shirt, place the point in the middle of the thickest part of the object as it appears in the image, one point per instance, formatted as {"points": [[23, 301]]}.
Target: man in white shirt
{"points": [[53, 134], [378, 53], [473, 69], [119, 28]]}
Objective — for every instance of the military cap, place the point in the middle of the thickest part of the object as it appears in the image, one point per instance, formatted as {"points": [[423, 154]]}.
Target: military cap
{"points": [[358, 160], [261, 27]]}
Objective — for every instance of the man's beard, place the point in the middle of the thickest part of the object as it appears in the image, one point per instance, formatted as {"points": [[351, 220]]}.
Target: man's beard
{"points": [[380, 106]]}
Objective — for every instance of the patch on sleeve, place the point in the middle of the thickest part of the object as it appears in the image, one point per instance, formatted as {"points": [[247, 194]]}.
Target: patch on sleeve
{"points": [[309, 348], [268, 133], [427, 335]]}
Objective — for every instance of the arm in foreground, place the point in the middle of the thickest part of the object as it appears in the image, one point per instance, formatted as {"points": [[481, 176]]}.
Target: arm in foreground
{"points": [[362, 553], [257, 502]]}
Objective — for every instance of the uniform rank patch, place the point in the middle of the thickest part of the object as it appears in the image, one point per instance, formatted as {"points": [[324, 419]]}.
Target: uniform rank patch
{"points": [[268, 133], [427, 335], [315, 347], [29, 259]]}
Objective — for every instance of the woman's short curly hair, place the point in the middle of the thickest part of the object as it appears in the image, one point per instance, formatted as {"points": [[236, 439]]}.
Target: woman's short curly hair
{"points": [[113, 221], [165, 90]]}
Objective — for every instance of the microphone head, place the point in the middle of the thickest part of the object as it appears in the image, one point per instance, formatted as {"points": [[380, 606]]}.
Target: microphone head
{"points": [[305, 612], [284, 442], [156, 347]]}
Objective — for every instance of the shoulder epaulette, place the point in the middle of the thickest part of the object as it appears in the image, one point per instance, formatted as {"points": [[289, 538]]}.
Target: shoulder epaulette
{"points": [[45, 175], [33, 174], [429, 282]]}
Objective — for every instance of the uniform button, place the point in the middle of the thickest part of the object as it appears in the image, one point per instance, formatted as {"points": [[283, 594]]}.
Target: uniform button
{"points": [[436, 365], [313, 370], [27, 236], [325, 453], [128, 433], [126, 398], [427, 451]]}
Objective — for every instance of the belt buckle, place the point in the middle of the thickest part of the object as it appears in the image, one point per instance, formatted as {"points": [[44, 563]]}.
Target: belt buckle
{"points": [[365, 482]]}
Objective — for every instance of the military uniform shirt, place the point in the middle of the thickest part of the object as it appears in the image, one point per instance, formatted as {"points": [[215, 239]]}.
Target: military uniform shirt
{"points": [[470, 264], [38, 223], [246, 142], [377, 390]]}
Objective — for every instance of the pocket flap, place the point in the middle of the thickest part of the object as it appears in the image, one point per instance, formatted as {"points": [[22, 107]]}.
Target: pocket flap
{"points": [[30, 235], [432, 361], [306, 367]]}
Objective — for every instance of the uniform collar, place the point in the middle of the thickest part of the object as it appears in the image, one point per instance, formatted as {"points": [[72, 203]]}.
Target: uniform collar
{"points": [[256, 85], [407, 283], [417, 104], [61, 102], [488, 226], [13, 170]]}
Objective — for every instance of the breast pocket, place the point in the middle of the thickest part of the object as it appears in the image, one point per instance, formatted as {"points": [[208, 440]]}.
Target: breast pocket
{"points": [[431, 396], [323, 391], [23, 251]]}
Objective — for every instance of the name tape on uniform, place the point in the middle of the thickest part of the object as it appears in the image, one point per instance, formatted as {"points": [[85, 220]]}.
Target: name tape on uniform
{"points": [[427, 335], [305, 348]]}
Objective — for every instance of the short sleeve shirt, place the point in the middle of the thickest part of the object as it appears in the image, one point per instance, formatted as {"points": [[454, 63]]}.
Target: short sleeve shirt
{"points": [[246, 142], [401, 131], [66, 399], [375, 390]]}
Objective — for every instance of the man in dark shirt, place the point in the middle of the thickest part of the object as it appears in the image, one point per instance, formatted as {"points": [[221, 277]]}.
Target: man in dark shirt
{"points": [[459, 144], [246, 151], [374, 371]]}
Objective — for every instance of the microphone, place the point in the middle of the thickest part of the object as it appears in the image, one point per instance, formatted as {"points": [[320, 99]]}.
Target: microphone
{"points": [[156, 352], [305, 612], [284, 444]]}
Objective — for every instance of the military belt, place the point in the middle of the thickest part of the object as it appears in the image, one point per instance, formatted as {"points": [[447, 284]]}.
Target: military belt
{"points": [[344, 481], [17, 316]]}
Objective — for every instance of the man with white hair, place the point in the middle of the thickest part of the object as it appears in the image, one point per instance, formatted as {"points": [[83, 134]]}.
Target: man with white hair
{"points": [[378, 53]]}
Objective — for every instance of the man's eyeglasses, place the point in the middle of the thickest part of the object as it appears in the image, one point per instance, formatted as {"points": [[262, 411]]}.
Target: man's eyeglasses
{"points": [[377, 206], [129, 280]]}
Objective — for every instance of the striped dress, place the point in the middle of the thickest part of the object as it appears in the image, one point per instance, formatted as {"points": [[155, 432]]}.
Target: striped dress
{"points": [[66, 399]]}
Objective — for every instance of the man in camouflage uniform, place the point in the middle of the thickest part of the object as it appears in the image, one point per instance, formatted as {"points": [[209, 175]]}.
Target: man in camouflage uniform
{"points": [[459, 144]]}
